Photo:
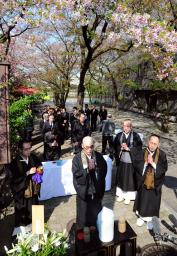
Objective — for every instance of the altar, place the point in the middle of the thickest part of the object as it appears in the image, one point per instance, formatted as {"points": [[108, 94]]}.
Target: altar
{"points": [[58, 178]]}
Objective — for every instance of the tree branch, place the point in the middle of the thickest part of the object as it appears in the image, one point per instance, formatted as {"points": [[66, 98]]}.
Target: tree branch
{"points": [[113, 49], [21, 31], [102, 36], [86, 39], [173, 9], [95, 23]]}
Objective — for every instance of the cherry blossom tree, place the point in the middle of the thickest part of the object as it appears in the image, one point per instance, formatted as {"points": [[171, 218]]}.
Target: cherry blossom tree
{"points": [[99, 27], [15, 18], [51, 58], [103, 26], [59, 58]]}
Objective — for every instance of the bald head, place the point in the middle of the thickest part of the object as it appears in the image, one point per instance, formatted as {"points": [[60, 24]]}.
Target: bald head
{"points": [[153, 142], [127, 125], [88, 145], [87, 141]]}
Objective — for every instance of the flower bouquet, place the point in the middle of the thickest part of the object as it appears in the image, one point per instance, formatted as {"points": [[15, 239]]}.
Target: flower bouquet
{"points": [[49, 244], [37, 177]]}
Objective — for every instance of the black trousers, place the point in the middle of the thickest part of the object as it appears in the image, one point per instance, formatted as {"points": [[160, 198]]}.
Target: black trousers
{"points": [[66, 132], [105, 139], [23, 209], [93, 125], [87, 211]]}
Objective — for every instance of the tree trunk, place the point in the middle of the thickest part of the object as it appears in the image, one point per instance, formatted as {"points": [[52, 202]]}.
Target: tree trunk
{"points": [[57, 98], [116, 94], [66, 89], [62, 99], [114, 85], [81, 87], [90, 95], [165, 116], [85, 64], [66, 94]]}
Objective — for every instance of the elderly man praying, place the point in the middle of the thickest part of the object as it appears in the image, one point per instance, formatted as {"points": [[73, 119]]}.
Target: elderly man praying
{"points": [[89, 171]]}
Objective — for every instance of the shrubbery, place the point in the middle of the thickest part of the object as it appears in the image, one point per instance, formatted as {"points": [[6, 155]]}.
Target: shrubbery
{"points": [[19, 116]]}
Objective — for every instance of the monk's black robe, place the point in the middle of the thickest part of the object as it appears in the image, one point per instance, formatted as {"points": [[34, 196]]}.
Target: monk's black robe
{"points": [[20, 182], [147, 202], [90, 187], [125, 177]]}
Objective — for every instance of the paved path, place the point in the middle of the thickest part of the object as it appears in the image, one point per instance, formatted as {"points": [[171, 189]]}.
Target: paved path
{"points": [[59, 211]]}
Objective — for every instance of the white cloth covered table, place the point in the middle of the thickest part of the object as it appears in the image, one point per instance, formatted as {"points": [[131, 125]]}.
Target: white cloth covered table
{"points": [[58, 178]]}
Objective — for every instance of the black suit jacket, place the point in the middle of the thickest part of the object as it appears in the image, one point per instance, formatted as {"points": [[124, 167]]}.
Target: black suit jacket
{"points": [[94, 115], [47, 127], [103, 114], [80, 131]]}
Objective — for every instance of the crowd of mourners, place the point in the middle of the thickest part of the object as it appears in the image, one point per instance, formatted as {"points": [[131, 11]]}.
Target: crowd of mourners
{"points": [[57, 125], [139, 176]]}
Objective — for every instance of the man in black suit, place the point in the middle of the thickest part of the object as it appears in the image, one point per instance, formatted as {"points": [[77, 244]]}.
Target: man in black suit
{"points": [[103, 113], [45, 118], [87, 113], [73, 117], [94, 116], [52, 139], [89, 171], [80, 130], [65, 122], [49, 125]]}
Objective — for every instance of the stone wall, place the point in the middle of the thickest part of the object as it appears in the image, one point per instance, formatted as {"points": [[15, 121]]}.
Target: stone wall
{"points": [[157, 105]]}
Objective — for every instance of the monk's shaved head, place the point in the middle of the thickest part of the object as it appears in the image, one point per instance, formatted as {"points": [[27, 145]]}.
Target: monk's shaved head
{"points": [[87, 141], [127, 122], [153, 142], [127, 125]]}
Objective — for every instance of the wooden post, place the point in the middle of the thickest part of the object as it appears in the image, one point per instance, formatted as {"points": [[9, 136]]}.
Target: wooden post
{"points": [[38, 219], [4, 117]]}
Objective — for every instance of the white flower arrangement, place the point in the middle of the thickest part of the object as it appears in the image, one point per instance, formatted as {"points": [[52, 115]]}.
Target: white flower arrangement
{"points": [[49, 244]]}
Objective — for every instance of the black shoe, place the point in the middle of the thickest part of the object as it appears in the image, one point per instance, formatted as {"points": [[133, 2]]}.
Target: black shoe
{"points": [[28, 221], [25, 221]]}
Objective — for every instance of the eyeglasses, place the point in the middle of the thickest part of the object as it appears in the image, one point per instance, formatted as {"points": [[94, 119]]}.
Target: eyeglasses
{"points": [[87, 147], [25, 149], [128, 126]]}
